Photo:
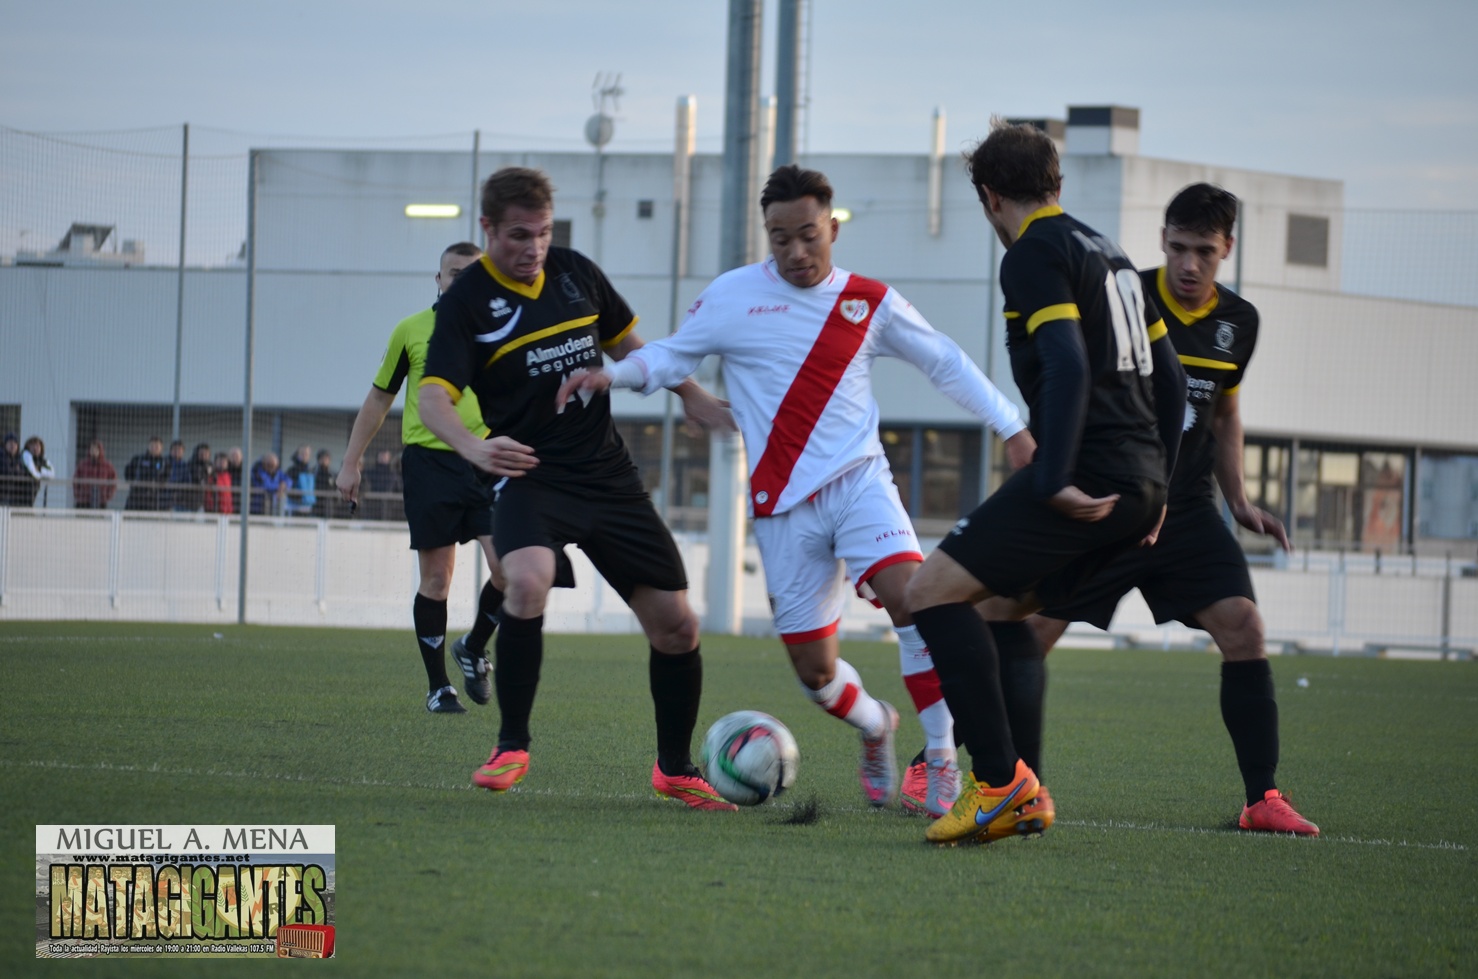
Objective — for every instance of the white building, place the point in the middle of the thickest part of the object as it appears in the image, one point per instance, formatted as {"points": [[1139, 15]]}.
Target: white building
{"points": [[1360, 441]]}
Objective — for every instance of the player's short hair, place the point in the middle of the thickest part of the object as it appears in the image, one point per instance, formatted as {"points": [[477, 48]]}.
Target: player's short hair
{"points": [[791, 183], [516, 187], [1018, 161], [464, 248], [1203, 209]]}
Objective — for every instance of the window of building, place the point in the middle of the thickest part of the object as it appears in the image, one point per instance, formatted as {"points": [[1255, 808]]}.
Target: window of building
{"points": [[644, 209], [937, 471], [1449, 497], [1308, 240], [1351, 497]]}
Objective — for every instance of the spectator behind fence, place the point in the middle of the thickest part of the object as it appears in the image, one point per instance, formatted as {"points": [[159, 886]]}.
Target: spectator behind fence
{"points": [[95, 480], [383, 482], [268, 481], [323, 486], [178, 496], [202, 470], [33, 458], [300, 494], [219, 493], [235, 460], [146, 473], [14, 480]]}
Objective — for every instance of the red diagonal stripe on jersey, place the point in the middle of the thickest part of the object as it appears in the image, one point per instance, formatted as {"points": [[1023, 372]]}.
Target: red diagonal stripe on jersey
{"points": [[814, 383]]}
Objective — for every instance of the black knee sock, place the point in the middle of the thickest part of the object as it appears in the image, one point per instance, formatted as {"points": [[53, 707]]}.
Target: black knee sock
{"points": [[429, 618], [677, 688], [969, 671], [518, 654], [1250, 712], [1024, 686], [489, 604]]}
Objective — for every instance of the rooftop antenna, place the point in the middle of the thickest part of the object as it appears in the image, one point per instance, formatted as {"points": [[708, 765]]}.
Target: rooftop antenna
{"points": [[605, 91]]}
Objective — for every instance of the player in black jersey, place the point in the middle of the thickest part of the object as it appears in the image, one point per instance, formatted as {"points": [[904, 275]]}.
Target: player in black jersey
{"points": [[1198, 572], [1106, 397], [513, 326]]}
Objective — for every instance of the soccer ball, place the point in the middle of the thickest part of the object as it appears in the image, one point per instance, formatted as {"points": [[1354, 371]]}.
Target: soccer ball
{"points": [[749, 756]]}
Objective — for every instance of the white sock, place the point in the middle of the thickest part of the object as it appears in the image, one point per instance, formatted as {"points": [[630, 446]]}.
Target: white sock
{"points": [[844, 697], [917, 667]]}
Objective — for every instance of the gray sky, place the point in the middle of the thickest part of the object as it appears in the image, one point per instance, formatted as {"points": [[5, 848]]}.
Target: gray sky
{"points": [[1381, 95]]}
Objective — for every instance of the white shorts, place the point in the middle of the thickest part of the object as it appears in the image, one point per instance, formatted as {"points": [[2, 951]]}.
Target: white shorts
{"points": [[856, 520]]}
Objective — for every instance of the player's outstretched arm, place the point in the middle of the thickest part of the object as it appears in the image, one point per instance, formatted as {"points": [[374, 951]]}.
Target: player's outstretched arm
{"points": [[501, 456], [1226, 426], [371, 416], [699, 405]]}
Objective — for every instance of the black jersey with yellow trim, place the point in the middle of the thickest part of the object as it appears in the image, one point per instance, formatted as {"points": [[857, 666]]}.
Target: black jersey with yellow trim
{"points": [[514, 343], [1059, 269], [1214, 344]]}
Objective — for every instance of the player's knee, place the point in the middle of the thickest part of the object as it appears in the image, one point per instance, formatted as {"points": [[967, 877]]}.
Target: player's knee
{"points": [[435, 586], [677, 636], [1240, 635]]}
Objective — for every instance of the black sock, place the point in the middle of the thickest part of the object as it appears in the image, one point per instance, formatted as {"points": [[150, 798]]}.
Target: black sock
{"points": [[429, 617], [1250, 712], [1024, 686], [489, 604], [517, 656], [969, 671], [677, 688]]}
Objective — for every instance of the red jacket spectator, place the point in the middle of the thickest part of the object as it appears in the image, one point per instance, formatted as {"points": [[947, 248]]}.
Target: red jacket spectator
{"points": [[219, 497], [95, 481]]}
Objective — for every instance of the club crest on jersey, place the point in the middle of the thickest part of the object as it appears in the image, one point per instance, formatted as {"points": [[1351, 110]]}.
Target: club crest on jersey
{"points": [[854, 310], [1224, 336], [568, 287]]}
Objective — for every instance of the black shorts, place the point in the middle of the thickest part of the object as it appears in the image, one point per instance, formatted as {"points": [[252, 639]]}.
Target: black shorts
{"points": [[447, 500], [621, 533], [1016, 545], [1195, 563]]}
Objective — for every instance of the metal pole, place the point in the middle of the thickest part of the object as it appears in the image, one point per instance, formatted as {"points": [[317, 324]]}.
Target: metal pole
{"points": [[1237, 266], [741, 140], [787, 69], [726, 480], [476, 209], [179, 313], [936, 173], [682, 189], [246, 406]]}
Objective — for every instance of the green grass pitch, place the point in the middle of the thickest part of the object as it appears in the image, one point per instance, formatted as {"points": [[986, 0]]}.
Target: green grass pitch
{"points": [[582, 871]]}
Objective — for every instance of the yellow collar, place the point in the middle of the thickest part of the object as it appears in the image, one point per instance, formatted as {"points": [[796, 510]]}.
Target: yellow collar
{"points": [[1050, 211], [525, 289], [1186, 316]]}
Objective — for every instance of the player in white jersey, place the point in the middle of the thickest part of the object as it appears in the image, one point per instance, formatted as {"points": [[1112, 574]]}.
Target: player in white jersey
{"points": [[798, 337]]}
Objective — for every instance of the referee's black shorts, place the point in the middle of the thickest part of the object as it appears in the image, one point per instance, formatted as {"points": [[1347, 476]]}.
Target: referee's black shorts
{"points": [[1017, 545], [619, 531], [1195, 563], [447, 499]]}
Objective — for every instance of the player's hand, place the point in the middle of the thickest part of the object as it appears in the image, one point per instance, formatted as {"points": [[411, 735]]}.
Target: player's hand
{"points": [[1154, 535], [1073, 503], [702, 410], [1020, 448], [1260, 521], [582, 384], [502, 456], [347, 482]]}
